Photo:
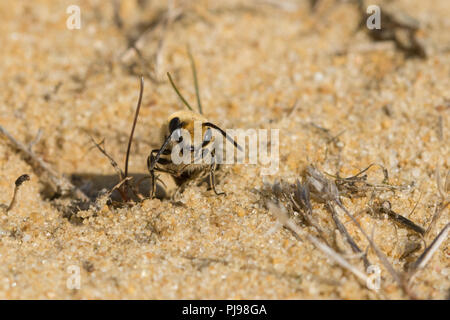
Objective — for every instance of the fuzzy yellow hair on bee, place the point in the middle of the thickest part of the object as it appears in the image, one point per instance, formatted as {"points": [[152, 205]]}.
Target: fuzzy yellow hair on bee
{"points": [[160, 160]]}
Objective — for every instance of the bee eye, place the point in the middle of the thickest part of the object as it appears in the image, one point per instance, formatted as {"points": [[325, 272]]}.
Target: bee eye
{"points": [[174, 124]]}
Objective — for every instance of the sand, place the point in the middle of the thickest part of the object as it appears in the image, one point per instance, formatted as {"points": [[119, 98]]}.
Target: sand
{"points": [[255, 62]]}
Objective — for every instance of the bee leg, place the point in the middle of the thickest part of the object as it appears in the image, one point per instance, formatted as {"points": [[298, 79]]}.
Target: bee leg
{"points": [[150, 160], [153, 190], [152, 175], [182, 184], [177, 192], [212, 180]]}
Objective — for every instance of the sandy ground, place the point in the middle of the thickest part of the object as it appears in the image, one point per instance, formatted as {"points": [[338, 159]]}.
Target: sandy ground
{"points": [[255, 61]]}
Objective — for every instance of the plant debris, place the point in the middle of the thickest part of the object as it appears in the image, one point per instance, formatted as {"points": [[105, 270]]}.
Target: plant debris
{"points": [[63, 186], [319, 188]]}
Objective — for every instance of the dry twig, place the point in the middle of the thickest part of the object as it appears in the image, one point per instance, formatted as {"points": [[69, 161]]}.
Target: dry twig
{"points": [[327, 191], [385, 207], [281, 214], [423, 259], [19, 181], [63, 186]]}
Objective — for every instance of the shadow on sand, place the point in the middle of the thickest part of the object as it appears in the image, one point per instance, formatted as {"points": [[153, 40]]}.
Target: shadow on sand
{"points": [[95, 184]]}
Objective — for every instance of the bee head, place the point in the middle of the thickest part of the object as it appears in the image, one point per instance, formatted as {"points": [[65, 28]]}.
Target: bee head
{"points": [[174, 124], [184, 120]]}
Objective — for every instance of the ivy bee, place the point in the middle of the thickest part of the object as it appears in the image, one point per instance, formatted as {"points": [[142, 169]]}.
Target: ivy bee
{"points": [[178, 140]]}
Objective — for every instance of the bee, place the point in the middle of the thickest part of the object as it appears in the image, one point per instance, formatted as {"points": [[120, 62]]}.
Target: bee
{"points": [[172, 136]]}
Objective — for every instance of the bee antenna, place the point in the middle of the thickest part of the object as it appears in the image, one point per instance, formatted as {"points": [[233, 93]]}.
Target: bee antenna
{"points": [[178, 92], [160, 151], [194, 73], [212, 125]]}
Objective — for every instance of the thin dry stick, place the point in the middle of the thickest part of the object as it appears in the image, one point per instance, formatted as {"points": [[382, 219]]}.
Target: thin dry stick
{"points": [[437, 213], [439, 183], [442, 189], [111, 159], [64, 186], [294, 107], [281, 214], [35, 140], [20, 180], [385, 207], [123, 176], [309, 219], [118, 186], [399, 278], [179, 93], [343, 230], [347, 186], [328, 192], [421, 262], [116, 167], [130, 140]]}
